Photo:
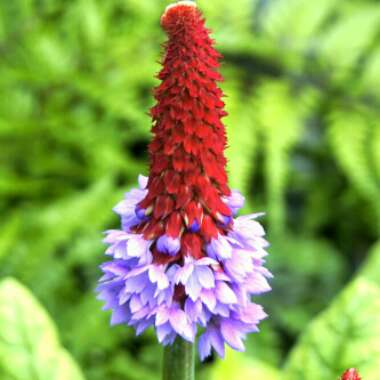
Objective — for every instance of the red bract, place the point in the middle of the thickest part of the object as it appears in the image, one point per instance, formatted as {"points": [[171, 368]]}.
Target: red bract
{"points": [[351, 374], [187, 165]]}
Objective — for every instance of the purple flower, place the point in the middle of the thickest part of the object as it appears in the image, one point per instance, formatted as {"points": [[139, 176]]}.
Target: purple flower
{"points": [[211, 338], [181, 262], [173, 319], [217, 287], [220, 248], [168, 244], [127, 246], [235, 201], [195, 227], [127, 207], [196, 275]]}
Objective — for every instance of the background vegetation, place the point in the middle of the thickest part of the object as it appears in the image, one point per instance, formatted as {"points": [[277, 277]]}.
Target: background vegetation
{"points": [[303, 93]]}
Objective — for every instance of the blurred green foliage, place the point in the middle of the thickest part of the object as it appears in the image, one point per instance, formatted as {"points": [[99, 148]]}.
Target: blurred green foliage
{"points": [[345, 335], [303, 93]]}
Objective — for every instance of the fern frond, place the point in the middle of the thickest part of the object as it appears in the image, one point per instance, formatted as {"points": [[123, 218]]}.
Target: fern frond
{"points": [[347, 39], [280, 116], [370, 80], [348, 134], [92, 22], [375, 148], [45, 230], [295, 21], [242, 139], [234, 16]]}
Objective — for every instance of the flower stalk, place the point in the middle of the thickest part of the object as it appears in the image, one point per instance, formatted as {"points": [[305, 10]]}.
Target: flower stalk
{"points": [[178, 361]]}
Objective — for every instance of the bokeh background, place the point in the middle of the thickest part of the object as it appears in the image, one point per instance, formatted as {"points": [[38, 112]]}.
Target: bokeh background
{"points": [[302, 84]]}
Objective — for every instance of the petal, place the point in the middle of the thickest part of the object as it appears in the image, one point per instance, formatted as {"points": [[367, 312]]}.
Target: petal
{"points": [[208, 298], [193, 309], [169, 245], [257, 284], [137, 246], [148, 293], [118, 250], [120, 314], [135, 304], [239, 265], [222, 309], [205, 276], [206, 261], [224, 293], [142, 326], [162, 316], [169, 339], [193, 287], [231, 334], [252, 314], [204, 346], [180, 324], [157, 275], [115, 267], [183, 274], [219, 248], [163, 331], [143, 181], [124, 207], [217, 342], [178, 320], [235, 201], [136, 284]]}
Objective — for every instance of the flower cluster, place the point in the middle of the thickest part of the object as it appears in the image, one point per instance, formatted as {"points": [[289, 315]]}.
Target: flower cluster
{"points": [[351, 374], [183, 261]]}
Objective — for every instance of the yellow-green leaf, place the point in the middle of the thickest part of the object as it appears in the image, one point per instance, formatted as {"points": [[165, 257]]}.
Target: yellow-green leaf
{"points": [[345, 335], [29, 344], [239, 366]]}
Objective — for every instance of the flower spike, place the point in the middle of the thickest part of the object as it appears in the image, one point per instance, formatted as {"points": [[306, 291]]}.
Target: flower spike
{"points": [[351, 374], [182, 262]]}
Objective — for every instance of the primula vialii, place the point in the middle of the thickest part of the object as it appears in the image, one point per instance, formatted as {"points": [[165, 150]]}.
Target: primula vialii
{"points": [[351, 374], [182, 261]]}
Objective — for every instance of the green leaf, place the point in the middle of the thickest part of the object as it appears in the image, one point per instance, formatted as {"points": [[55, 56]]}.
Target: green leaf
{"points": [[315, 261], [246, 368], [371, 269], [348, 134], [52, 54], [91, 21], [280, 115], [375, 147], [29, 345], [294, 20], [8, 233], [345, 335], [230, 21], [371, 74], [241, 135], [343, 45]]}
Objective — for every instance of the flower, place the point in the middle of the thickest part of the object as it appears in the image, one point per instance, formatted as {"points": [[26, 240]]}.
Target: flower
{"points": [[351, 374], [182, 261]]}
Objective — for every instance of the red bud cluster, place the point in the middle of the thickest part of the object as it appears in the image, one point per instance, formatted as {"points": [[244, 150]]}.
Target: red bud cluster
{"points": [[351, 374], [187, 165]]}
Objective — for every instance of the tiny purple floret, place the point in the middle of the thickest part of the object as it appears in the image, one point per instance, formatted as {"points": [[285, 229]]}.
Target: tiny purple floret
{"points": [[169, 245]]}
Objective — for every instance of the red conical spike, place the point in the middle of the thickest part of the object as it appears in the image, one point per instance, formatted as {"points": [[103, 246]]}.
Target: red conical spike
{"points": [[187, 163]]}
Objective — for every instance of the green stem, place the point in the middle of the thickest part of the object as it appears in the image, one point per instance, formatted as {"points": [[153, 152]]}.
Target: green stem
{"points": [[178, 361]]}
